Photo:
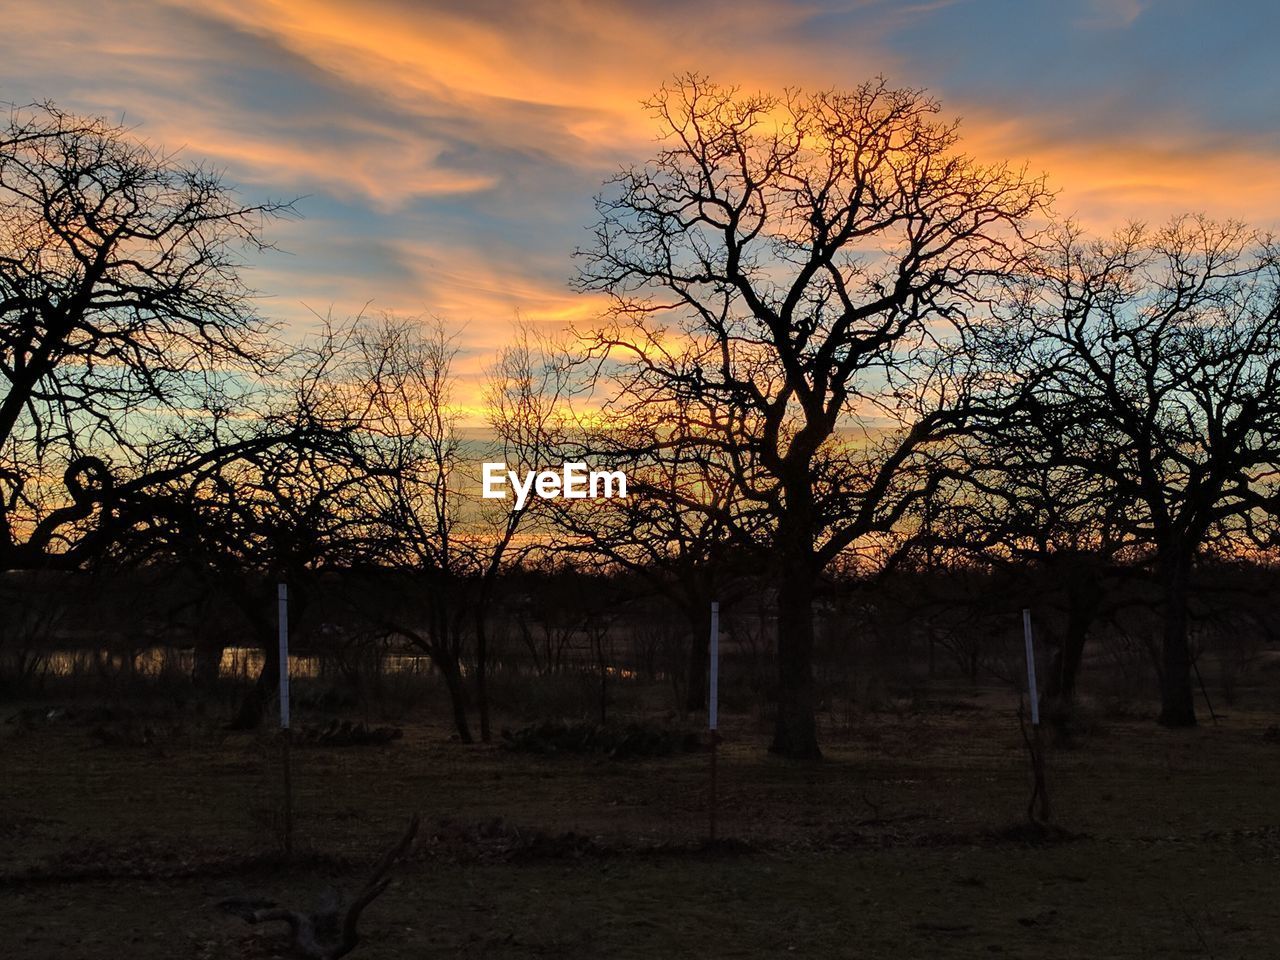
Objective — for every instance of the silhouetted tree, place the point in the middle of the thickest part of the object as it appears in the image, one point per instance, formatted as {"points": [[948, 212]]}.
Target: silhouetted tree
{"points": [[286, 503], [775, 273], [526, 389], [1147, 368], [124, 322], [444, 545], [683, 554], [1047, 536]]}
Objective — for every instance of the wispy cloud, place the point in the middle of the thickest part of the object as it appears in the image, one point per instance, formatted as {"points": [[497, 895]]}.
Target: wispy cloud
{"points": [[1113, 14], [448, 152]]}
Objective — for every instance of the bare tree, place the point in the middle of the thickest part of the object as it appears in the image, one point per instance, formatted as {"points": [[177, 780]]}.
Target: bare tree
{"points": [[440, 545], [776, 273], [124, 319], [526, 390], [277, 495], [1035, 532], [398, 373], [1147, 368], [684, 555]]}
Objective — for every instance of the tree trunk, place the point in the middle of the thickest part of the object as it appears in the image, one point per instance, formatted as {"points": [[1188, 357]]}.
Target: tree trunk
{"points": [[482, 668], [206, 669], [1084, 596], [457, 688], [1177, 706], [796, 733], [259, 606], [253, 705], [699, 654], [604, 683]]}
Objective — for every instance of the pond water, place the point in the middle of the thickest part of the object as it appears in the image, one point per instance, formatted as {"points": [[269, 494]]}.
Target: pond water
{"points": [[239, 663], [236, 662]]}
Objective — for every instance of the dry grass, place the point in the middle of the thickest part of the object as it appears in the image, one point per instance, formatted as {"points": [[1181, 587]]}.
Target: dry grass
{"points": [[897, 845]]}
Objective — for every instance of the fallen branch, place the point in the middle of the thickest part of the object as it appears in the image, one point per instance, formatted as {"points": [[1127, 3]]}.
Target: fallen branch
{"points": [[330, 931]]}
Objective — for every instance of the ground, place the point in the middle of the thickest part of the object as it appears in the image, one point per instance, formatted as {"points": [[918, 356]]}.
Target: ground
{"points": [[908, 840]]}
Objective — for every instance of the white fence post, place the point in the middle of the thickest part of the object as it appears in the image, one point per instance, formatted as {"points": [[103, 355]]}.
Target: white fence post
{"points": [[1032, 689]]}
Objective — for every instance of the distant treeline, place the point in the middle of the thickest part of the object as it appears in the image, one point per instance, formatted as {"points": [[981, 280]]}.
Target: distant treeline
{"points": [[880, 637]]}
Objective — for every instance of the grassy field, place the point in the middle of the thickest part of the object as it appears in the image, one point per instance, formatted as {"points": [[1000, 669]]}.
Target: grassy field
{"points": [[119, 838]]}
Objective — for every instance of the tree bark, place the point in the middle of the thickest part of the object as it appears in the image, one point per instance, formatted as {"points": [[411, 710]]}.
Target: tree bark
{"points": [[604, 681], [1177, 705], [796, 734], [482, 667], [253, 705], [453, 681], [206, 669], [699, 653], [1084, 596]]}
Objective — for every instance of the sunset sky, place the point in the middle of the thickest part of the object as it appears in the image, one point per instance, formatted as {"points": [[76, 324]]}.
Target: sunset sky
{"points": [[447, 153]]}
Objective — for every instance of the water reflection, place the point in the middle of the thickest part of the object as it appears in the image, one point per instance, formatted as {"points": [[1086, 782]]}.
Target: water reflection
{"points": [[245, 663], [236, 663]]}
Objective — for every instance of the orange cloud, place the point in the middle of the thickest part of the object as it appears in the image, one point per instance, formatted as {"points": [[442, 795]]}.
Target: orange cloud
{"points": [[1106, 182], [450, 150]]}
